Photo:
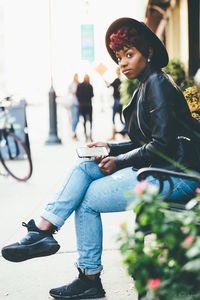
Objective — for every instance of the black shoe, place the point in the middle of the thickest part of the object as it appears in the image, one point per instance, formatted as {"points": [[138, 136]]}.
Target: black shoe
{"points": [[80, 288], [35, 244]]}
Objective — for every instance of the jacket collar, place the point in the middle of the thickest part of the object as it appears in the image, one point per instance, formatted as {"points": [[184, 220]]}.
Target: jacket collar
{"points": [[142, 78], [146, 73]]}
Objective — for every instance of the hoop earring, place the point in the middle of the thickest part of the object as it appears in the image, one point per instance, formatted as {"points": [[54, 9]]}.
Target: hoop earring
{"points": [[148, 60]]}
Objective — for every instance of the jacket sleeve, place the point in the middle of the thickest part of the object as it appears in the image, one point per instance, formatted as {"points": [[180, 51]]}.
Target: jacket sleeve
{"points": [[119, 148], [160, 96]]}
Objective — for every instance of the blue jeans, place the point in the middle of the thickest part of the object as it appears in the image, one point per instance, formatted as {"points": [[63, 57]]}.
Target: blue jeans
{"points": [[89, 192], [75, 116]]}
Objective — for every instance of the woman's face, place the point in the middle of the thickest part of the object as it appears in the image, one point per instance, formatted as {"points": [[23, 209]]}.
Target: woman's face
{"points": [[131, 62]]}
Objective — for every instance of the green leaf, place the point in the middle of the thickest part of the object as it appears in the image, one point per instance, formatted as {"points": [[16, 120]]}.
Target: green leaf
{"points": [[124, 247], [192, 252], [144, 219], [131, 257], [128, 194], [192, 266], [191, 204]]}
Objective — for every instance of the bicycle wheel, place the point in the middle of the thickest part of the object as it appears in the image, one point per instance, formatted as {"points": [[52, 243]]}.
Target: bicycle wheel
{"points": [[15, 157]]}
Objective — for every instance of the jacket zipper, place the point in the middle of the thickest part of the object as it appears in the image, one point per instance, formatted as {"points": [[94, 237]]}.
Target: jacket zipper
{"points": [[139, 119]]}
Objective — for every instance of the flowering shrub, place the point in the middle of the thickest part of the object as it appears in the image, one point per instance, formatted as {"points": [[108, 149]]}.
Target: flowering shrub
{"points": [[166, 265], [192, 95], [176, 70]]}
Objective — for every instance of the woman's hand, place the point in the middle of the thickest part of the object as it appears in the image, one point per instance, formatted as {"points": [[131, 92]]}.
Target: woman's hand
{"points": [[107, 165], [99, 144]]}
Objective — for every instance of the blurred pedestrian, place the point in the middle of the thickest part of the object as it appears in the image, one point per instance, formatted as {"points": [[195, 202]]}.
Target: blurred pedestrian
{"points": [[117, 106], [84, 94], [75, 106]]}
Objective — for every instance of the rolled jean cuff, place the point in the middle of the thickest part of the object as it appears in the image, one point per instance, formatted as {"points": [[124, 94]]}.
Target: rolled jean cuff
{"points": [[91, 271], [53, 219]]}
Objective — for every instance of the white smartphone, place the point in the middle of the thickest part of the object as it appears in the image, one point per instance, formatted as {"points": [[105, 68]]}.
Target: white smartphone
{"points": [[91, 152]]}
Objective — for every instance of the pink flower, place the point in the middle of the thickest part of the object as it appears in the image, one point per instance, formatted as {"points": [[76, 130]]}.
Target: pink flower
{"points": [[154, 283], [122, 225], [189, 240], [197, 190], [139, 188], [182, 228]]}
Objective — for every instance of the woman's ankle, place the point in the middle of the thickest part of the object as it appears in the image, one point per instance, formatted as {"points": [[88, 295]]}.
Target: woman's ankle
{"points": [[91, 277], [44, 224]]}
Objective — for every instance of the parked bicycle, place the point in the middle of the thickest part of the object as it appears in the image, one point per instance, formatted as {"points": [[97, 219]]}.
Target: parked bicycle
{"points": [[14, 155]]}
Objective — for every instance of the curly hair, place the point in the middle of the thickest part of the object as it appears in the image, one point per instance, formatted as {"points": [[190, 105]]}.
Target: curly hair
{"points": [[126, 37]]}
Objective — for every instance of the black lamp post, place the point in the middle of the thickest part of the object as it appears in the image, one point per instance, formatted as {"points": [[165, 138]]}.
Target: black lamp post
{"points": [[52, 137]]}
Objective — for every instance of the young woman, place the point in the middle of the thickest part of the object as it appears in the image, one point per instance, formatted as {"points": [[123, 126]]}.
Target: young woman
{"points": [[157, 119]]}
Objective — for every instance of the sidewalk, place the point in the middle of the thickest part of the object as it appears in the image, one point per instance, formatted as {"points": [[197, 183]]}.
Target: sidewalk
{"points": [[31, 280]]}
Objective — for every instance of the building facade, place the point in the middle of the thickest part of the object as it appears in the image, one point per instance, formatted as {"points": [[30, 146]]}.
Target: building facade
{"points": [[177, 23]]}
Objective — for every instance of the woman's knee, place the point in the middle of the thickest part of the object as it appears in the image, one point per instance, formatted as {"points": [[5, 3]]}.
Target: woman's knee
{"points": [[85, 164], [90, 168], [91, 198]]}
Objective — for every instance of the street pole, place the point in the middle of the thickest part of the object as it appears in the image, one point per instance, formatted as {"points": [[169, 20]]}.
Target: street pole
{"points": [[52, 137]]}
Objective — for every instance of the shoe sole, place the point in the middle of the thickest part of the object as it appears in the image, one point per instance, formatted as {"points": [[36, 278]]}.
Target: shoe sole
{"points": [[86, 295], [25, 252]]}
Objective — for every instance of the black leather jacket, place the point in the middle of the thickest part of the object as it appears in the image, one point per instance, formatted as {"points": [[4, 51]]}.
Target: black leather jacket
{"points": [[156, 116]]}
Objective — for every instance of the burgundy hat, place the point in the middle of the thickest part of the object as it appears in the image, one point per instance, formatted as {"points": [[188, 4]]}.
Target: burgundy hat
{"points": [[160, 55]]}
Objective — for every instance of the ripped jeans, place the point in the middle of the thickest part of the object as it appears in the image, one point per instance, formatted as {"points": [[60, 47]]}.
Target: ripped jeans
{"points": [[89, 192]]}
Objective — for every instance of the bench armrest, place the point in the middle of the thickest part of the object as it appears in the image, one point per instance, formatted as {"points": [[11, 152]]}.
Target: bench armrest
{"points": [[165, 175]]}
